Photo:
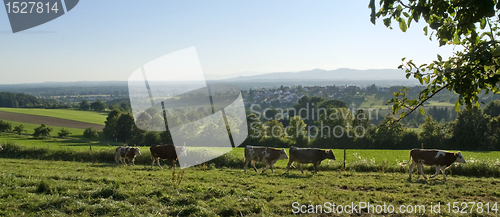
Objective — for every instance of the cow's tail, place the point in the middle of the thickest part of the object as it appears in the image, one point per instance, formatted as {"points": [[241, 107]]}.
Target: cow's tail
{"points": [[404, 164]]}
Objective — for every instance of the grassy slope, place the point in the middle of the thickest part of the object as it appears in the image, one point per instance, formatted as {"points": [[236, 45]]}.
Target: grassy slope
{"points": [[33, 187], [76, 115]]}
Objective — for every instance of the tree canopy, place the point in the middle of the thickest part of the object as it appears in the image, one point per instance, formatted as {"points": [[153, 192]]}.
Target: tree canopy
{"points": [[471, 25]]}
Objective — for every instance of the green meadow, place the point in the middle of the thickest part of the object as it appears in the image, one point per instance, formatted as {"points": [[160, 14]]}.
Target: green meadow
{"points": [[61, 188]]}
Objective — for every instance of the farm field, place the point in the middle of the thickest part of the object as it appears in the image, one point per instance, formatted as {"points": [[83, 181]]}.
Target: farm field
{"points": [[69, 114], [37, 187]]}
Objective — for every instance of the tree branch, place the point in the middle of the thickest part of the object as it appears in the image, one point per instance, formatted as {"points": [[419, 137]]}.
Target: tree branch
{"points": [[422, 102]]}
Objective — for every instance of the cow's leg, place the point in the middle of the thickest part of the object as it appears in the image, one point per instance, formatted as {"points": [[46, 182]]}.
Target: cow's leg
{"points": [[272, 167], [421, 171], [288, 166], [133, 162], [437, 171], [245, 166], [117, 158], [316, 167], [173, 163], [412, 166], [158, 162], [300, 166], [253, 165], [267, 167], [443, 170]]}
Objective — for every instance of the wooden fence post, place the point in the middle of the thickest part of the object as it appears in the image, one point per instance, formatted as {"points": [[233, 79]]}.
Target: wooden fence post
{"points": [[344, 159], [422, 146]]}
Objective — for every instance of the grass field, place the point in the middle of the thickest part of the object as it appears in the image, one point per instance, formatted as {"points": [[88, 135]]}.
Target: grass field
{"points": [[34, 187], [70, 114]]}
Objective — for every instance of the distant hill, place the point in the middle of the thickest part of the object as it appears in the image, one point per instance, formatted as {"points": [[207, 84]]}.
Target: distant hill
{"points": [[343, 74]]}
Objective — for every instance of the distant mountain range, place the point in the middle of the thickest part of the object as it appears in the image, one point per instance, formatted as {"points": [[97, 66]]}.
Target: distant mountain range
{"points": [[343, 74]]}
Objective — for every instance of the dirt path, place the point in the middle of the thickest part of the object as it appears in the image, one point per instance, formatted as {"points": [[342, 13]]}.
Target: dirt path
{"points": [[49, 121]]}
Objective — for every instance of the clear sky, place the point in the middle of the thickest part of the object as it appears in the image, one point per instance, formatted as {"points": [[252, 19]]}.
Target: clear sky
{"points": [[101, 40]]}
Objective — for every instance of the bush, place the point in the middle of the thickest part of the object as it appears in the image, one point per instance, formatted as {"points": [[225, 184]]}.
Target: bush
{"points": [[5, 126], [42, 131], [89, 133], [63, 133], [19, 129]]}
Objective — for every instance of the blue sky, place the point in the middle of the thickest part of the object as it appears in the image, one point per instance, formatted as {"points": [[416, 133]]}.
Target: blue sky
{"points": [[108, 40]]}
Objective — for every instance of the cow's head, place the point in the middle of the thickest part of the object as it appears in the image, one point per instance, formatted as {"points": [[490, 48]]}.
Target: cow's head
{"points": [[137, 151], [329, 154], [283, 154], [180, 150], [460, 158]]}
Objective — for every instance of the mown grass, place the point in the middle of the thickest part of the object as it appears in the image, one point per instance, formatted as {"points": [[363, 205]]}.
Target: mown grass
{"points": [[34, 187], [70, 114]]}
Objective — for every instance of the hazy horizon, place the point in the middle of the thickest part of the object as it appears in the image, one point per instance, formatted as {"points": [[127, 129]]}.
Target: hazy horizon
{"points": [[100, 40]]}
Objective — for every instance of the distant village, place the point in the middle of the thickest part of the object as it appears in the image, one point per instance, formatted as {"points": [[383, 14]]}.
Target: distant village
{"points": [[291, 95]]}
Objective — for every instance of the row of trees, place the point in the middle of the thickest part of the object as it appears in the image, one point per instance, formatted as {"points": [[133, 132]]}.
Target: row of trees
{"points": [[473, 129], [100, 106]]}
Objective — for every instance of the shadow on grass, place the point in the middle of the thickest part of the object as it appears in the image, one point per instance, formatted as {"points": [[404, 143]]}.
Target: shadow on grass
{"points": [[298, 175]]}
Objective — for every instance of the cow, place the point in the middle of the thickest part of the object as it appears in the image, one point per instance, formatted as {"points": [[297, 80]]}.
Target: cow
{"points": [[263, 154], [126, 153], [308, 155], [432, 157], [1, 148], [166, 152]]}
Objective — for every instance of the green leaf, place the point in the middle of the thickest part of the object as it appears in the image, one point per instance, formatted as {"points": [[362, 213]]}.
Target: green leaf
{"points": [[387, 22], [422, 111], [373, 13], [483, 23], [457, 105], [440, 58], [425, 30], [402, 24]]}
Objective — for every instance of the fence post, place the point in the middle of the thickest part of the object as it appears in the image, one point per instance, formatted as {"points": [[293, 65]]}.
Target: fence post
{"points": [[344, 159], [422, 146]]}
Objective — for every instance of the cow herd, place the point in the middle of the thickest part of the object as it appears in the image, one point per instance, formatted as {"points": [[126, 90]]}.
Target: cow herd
{"points": [[441, 160]]}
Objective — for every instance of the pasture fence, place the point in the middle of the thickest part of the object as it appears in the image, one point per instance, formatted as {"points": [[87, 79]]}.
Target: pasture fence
{"points": [[475, 168]]}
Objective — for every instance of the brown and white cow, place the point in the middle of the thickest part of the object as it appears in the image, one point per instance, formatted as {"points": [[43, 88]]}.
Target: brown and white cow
{"points": [[1, 147], [438, 158], [126, 153], [308, 155], [265, 155], [166, 152]]}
